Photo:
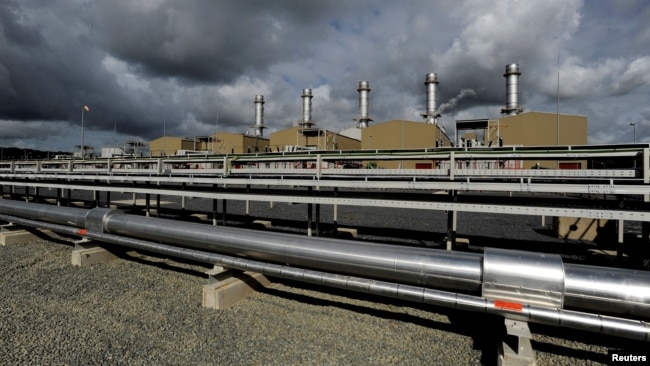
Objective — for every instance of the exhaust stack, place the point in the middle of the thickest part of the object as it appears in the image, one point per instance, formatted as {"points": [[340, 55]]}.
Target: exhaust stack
{"points": [[259, 115], [431, 115], [306, 108], [512, 90], [364, 118]]}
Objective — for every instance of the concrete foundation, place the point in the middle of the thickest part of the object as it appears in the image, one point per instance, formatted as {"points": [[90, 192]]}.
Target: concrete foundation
{"points": [[516, 350], [87, 253], [347, 231], [10, 235], [264, 223], [227, 287]]}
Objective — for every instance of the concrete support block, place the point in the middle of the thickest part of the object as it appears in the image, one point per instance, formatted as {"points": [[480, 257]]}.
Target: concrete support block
{"points": [[17, 234], [200, 217], [88, 253], [349, 231], [230, 286], [516, 350], [265, 223], [461, 243]]}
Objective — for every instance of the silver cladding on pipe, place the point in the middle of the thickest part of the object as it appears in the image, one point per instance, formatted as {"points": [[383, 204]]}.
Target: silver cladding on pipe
{"points": [[417, 266], [609, 290], [626, 328], [54, 214]]}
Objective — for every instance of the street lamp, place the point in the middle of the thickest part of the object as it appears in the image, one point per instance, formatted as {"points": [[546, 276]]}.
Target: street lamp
{"points": [[83, 150], [634, 125]]}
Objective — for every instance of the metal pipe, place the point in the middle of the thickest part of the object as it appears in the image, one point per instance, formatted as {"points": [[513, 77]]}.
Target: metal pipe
{"points": [[259, 115], [449, 270], [614, 291], [431, 82], [620, 327], [418, 266], [306, 107], [364, 118], [512, 90]]}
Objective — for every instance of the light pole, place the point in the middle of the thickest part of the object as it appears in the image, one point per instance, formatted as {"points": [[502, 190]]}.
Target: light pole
{"points": [[83, 150], [634, 125]]}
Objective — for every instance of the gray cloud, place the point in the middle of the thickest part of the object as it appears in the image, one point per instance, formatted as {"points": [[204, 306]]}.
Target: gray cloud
{"points": [[193, 66]]}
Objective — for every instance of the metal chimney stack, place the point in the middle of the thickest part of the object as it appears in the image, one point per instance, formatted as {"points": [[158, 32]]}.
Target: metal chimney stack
{"points": [[431, 82], [364, 89], [306, 108], [512, 90], [259, 115]]}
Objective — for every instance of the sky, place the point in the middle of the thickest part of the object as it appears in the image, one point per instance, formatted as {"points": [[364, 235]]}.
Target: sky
{"points": [[148, 68]]}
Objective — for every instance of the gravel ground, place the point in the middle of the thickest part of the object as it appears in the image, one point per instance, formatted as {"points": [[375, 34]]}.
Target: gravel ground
{"points": [[143, 310], [146, 310]]}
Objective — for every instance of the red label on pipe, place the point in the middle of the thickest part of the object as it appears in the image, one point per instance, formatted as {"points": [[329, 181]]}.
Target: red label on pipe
{"points": [[82, 232], [507, 305]]}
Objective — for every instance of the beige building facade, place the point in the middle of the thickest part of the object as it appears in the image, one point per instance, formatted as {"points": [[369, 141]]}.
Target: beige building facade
{"points": [[539, 129], [237, 143], [401, 134], [528, 129], [220, 143], [312, 138], [169, 145]]}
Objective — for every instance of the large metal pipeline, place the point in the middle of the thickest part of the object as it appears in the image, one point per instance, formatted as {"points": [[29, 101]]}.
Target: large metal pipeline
{"points": [[519, 278], [620, 327]]}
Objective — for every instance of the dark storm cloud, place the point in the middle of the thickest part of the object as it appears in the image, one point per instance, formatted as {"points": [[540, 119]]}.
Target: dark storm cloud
{"points": [[58, 57], [206, 41], [192, 67], [50, 67]]}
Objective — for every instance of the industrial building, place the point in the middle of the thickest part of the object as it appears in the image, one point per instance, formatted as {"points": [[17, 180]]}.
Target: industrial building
{"points": [[401, 134], [517, 128], [305, 136], [218, 143], [169, 145], [300, 138]]}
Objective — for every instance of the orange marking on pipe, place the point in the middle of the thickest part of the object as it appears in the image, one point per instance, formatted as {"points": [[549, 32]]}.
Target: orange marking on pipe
{"points": [[507, 305], [82, 232]]}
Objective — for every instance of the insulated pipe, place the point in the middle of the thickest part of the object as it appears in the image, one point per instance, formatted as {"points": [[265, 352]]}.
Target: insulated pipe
{"points": [[625, 328], [610, 290], [259, 115], [431, 82], [585, 287], [512, 90], [417, 266], [364, 118], [306, 107]]}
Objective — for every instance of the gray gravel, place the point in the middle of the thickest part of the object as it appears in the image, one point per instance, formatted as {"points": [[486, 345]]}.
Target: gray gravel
{"points": [[147, 310]]}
